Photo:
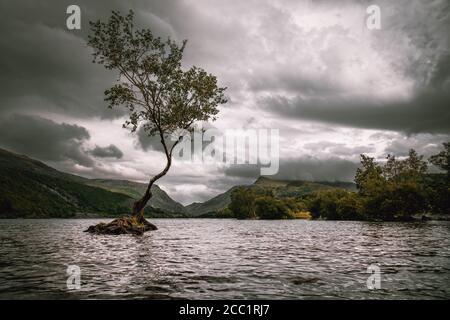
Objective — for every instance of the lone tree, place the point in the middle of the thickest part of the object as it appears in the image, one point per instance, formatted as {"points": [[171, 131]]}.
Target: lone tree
{"points": [[159, 94]]}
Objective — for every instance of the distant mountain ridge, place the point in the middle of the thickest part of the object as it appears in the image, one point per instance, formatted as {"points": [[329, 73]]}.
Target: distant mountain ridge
{"points": [[218, 202], [281, 188], [160, 199], [30, 188]]}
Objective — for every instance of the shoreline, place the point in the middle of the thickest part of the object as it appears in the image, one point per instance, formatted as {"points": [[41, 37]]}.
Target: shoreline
{"points": [[413, 220]]}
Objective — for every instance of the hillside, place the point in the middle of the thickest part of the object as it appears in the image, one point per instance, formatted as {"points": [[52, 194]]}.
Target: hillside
{"points": [[159, 200], [29, 188], [218, 202], [280, 188]]}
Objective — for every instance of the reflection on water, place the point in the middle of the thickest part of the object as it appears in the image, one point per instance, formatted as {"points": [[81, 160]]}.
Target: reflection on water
{"points": [[221, 259]]}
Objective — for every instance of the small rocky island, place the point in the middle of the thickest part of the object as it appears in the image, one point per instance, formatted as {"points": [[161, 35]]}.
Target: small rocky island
{"points": [[124, 225]]}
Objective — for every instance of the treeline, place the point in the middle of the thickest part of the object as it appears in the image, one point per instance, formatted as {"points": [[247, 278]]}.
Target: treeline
{"points": [[396, 189], [249, 203]]}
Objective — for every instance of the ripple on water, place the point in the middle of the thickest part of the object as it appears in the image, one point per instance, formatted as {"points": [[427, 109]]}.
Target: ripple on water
{"points": [[226, 259]]}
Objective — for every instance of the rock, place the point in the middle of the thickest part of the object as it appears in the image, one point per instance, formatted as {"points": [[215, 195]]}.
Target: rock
{"points": [[125, 225]]}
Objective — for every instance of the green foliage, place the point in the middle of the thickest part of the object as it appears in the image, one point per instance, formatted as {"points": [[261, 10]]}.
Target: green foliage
{"points": [[369, 176], [268, 207], [350, 207], [335, 205], [33, 195], [152, 83], [438, 193], [394, 190], [396, 201], [278, 188], [261, 203], [442, 159], [243, 203], [224, 213], [160, 95]]}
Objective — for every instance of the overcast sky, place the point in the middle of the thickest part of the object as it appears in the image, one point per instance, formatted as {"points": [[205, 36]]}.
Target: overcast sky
{"points": [[311, 69]]}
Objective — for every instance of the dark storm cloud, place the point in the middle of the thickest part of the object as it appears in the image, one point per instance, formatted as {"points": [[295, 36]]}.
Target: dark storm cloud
{"points": [[44, 139], [201, 188], [306, 168], [146, 142], [441, 73], [414, 38], [57, 74], [428, 112], [46, 67], [110, 151]]}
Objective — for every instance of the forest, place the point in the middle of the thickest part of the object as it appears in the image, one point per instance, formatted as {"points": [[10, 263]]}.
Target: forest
{"points": [[396, 189]]}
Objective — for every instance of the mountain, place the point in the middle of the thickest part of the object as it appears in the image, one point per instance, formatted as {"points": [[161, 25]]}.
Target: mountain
{"points": [[296, 188], [218, 202], [280, 188], [29, 188], [160, 199]]}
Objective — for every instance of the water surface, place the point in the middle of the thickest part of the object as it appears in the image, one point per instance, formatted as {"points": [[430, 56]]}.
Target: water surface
{"points": [[226, 259]]}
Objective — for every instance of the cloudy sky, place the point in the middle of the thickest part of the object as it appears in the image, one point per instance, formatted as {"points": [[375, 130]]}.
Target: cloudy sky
{"points": [[311, 69]]}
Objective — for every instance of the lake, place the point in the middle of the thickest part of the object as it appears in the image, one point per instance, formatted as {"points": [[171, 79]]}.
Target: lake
{"points": [[226, 259]]}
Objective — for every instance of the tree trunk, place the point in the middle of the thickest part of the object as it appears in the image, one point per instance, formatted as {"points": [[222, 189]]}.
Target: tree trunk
{"points": [[137, 223], [139, 205]]}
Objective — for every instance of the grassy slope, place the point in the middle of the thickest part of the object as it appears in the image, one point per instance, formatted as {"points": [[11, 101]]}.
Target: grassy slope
{"points": [[218, 202], [37, 195], [159, 200], [29, 188]]}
